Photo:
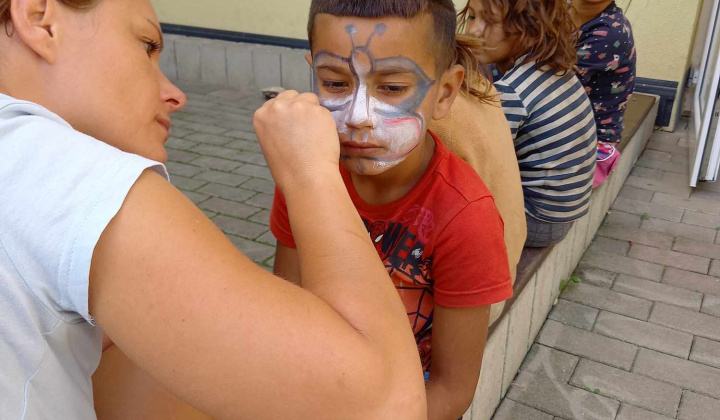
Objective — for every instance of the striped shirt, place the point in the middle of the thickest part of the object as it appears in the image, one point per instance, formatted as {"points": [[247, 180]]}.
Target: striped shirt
{"points": [[554, 131]]}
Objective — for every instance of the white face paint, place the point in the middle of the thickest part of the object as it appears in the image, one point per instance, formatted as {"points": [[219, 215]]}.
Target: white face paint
{"points": [[375, 135]]}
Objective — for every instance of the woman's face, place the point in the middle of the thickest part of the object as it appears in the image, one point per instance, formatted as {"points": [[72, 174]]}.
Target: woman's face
{"points": [[105, 79], [485, 22]]}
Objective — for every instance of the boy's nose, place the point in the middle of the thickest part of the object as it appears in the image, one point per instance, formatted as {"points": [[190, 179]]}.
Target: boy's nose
{"points": [[360, 115]]}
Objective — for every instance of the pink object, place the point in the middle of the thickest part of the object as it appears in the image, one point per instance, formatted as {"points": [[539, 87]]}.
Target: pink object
{"points": [[607, 159]]}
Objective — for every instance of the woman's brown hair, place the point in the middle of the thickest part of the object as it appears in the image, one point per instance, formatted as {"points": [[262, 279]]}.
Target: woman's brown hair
{"points": [[545, 29], [75, 4]]}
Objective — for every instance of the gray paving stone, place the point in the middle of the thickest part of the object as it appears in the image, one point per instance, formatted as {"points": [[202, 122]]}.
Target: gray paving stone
{"points": [[650, 173], [206, 138], [254, 171], [627, 387], [224, 178], [715, 268], [595, 276], [195, 197], [253, 250], [644, 334], [624, 265], [205, 127], [656, 155], [560, 399], [226, 192], [698, 407], [511, 410], [587, 344], [662, 142], [249, 157], [187, 184], [552, 363], [629, 412], [711, 305], [636, 193], [181, 156], [657, 292], [670, 258], [705, 194], [239, 227], [652, 210], [262, 217], [680, 229], [697, 204], [208, 162], [244, 145], [260, 185], [179, 144], [597, 297], [231, 208], [609, 245], [181, 169], [694, 218], [702, 249], [622, 219], [574, 314], [706, 352], [673, 188], [692, 281], [267, 238], [679, 372], [678, 168], [686, 320], [263, 201], [639, 236]]}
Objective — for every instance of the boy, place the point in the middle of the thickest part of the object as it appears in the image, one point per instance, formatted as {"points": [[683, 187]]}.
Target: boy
{"points": [[384, 69]]}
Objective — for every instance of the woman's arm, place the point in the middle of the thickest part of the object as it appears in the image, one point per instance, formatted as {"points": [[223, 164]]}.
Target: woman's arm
{"points": [[177, 297], [458, 342], [287, 264]]}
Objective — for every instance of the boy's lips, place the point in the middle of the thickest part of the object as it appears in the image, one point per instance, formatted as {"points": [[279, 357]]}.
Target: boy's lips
{"points": [[361, 149]]}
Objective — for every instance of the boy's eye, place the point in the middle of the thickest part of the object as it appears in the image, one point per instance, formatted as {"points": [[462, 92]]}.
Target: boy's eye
{"points": [[335, 86], [393, 89]]}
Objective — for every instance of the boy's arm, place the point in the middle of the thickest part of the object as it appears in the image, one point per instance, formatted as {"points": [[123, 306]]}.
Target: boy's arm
{"points": [[458, 342], [287, 264]]}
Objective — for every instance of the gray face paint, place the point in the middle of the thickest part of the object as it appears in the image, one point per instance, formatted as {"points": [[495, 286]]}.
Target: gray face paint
{"points": [[398, 129]]}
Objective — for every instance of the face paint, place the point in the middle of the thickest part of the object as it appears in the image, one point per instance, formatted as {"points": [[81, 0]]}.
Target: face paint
{"points": [[389, 131]]}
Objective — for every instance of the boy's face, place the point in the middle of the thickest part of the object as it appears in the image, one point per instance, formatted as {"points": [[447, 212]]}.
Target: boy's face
{"points": [[377, 77]]}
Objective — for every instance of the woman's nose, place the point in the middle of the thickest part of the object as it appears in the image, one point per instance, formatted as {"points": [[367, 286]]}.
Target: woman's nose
{"points": [[171, 95]]}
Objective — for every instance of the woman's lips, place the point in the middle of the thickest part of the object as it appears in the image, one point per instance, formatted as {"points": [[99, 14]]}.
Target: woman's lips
{"points": [[165, 123]]}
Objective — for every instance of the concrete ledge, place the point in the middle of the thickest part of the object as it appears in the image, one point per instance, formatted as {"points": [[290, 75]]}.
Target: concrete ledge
{"points": [[543, 269]]}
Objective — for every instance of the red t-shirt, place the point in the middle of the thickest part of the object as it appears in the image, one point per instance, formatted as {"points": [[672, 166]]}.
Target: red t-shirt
{"points": [[442, 242]]}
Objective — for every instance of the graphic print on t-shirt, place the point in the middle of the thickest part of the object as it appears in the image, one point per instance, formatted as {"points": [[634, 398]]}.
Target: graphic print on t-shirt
{"points": [[401, 245]]}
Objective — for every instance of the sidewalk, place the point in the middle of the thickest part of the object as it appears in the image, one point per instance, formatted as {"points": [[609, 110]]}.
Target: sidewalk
{"points": [[639, 337]]}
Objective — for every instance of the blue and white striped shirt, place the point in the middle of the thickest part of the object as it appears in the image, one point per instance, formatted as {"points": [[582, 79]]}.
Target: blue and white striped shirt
{"points": [[554, 131]]}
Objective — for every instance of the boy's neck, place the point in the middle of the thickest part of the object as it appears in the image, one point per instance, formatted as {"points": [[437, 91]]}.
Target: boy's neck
{"points": [[587, 12], [395, 183]]}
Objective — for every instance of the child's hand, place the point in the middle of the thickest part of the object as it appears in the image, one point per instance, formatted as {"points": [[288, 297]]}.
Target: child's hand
{"points": [[298, 137]]}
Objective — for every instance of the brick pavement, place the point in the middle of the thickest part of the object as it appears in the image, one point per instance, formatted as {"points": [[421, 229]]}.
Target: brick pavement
{"points": [[639, 337]]}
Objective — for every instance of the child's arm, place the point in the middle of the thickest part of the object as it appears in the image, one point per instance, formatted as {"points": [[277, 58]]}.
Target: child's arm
{"points": [[287, 264], [458, 342]]}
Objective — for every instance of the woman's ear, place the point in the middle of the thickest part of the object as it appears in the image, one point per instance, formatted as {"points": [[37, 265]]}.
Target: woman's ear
{"points": [[450, 84], [35, 23]]}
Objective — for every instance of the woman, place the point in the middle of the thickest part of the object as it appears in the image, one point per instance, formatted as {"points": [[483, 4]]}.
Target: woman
{"points": [[92, 233], [551, 119]]}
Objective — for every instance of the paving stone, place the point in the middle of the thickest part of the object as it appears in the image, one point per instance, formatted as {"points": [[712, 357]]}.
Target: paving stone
{"points": [[636, 193], [187, 184], [224, 178], [670, 258], [715, 268], [678, 168], [218, 164], [231, 208], [253, 250], [702, 249], [692, 281], [574, 314], [624, 265], [226, 192], [694, 218], [587, 344], [260, 185], [267, 238], [650, 173], [652, 210], [254, 171], [663, 143], [262, 217], [182, 169], [179, 144], [195, 197], [511, 410], [680, 229], [595, 276], [204, 127], [657, 292], [663, 186], [679, 372], [609, 245], [206, 138], [644, 334], [698, 407], [244, 135], [711, 305], [706, 352], [238, 227], [656, 155], [696, 204], [608, 300], [705, 194], [622, 219], [629, 412], [560, 399], [244, 145], [181, 156], [627, 387], [263, 201], [250, 157], [552, 363], [639, 236], [686, 320]]}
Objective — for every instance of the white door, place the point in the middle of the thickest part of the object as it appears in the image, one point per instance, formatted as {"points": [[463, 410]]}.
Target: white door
{"points": [[705, 150]]}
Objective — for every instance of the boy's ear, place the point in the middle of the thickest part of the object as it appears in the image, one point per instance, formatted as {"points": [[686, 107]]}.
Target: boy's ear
{"points": [[308, 58], [35, 22], [450, 84]]}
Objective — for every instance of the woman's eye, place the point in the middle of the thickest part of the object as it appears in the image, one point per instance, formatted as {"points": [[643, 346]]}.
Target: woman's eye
{"points": [[335, 86], [393, 89], [151, 47]]}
